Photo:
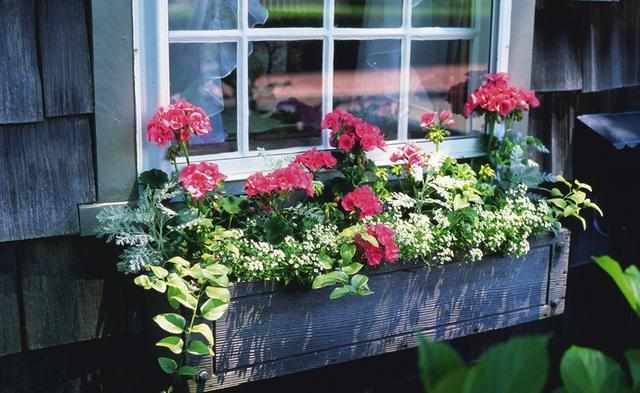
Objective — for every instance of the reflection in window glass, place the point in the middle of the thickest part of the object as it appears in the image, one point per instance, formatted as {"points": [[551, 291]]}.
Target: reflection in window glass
{"points": [[449, 13], [285, 94], [204, 74], [442, 75], [368, 13], [212, 14], [293, 13], [367, 81]]}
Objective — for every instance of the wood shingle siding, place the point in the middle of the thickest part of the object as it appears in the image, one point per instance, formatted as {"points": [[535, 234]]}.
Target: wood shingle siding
{"points": [[10, 341], [586, 46], [556, 37], [46, 170], [65, 57], [20, 87], [68, 291]]}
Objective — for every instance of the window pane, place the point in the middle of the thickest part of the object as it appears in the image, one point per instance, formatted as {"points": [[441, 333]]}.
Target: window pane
{"points": [[449, 13], [204, 74], [442, 75], [285, 100], [368, 13], [293, 13], [203, 14], [367, 81]]}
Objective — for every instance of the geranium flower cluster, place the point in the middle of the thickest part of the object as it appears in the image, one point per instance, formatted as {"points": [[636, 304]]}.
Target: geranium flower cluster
{"points": [[284, 180], [386, 249], [497, 96], [178, 121], [350, 133], [364, 201], [200, 179], [411, 155], [431, 119], [315, 160]]}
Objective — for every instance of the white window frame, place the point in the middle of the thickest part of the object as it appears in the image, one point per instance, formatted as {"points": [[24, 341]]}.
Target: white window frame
{"points": [[151, 63]]}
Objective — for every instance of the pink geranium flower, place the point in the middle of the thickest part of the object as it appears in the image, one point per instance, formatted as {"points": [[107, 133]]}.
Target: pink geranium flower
{"points": [[200, 179], [497, 96], [284, 180], [350, 133], [364, 201], [178, 121]]}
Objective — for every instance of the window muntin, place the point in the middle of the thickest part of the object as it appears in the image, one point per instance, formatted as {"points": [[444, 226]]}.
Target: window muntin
{"points": [[401, 59]]}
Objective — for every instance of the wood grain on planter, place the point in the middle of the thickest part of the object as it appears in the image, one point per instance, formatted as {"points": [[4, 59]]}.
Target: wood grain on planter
{"points": [[268, 333]]}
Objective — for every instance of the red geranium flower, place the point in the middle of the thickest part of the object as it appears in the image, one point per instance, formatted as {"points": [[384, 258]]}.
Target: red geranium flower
{"points": [[315, 160], [288, 179], [179, 121], [386, 250], [364, 200], [495, 95]]}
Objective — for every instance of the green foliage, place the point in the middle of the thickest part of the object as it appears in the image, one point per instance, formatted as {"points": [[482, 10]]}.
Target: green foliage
{"points": [[571, 202], [585, 370], [519, 365], [628, 281]]}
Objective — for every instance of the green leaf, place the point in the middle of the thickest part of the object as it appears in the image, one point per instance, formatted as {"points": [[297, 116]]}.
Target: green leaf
{"points": [[555, 192], [168, 365], [178, 283], [179, 261], [154, 178], [633, 360], [519, 365], [218, 269], [582, 221], [231, 204], [171, 294], [188, 371], [459, 202], [628, 281], [326, 262], [347, 252], [197, 347], [359, 281], [172, 343], [329, 279], [158, 271], [142, 281], [221, 294], [352, 268], [578, 197], [159, 286], [562, 180], [561, 203], [219, 281], [187, 300], [213, 309], [340, 292], [171, 323], [436, 360], [205, 330], [453, 382], [585, 370], [583, 186]]}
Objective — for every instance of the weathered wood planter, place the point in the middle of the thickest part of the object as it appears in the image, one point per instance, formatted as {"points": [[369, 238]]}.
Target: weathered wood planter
{"points": [[268, 333]]}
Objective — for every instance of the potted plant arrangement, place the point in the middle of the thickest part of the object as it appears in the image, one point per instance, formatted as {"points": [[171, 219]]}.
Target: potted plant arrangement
{"points": [[429, 244]]}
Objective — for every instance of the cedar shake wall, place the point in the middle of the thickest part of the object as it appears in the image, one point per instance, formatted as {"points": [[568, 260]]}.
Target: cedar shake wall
{"points": [[68, 322]]}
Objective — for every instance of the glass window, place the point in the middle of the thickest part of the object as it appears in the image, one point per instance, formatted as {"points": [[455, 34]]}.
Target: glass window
{"points": [[267, 71]]}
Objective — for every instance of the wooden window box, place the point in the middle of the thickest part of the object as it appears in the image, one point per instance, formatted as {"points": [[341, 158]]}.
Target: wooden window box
{"points": [[268, 333]]}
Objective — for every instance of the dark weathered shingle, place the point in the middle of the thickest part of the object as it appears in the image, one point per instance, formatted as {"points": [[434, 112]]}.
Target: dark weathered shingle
{"points": [[66, 60], [10, 326], [46, 170], [556, 59], [20, 89], [611, 46], [68, 291]]}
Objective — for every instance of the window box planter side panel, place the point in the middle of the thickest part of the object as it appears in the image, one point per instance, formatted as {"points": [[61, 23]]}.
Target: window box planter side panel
{"points": [[268, 333]]}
